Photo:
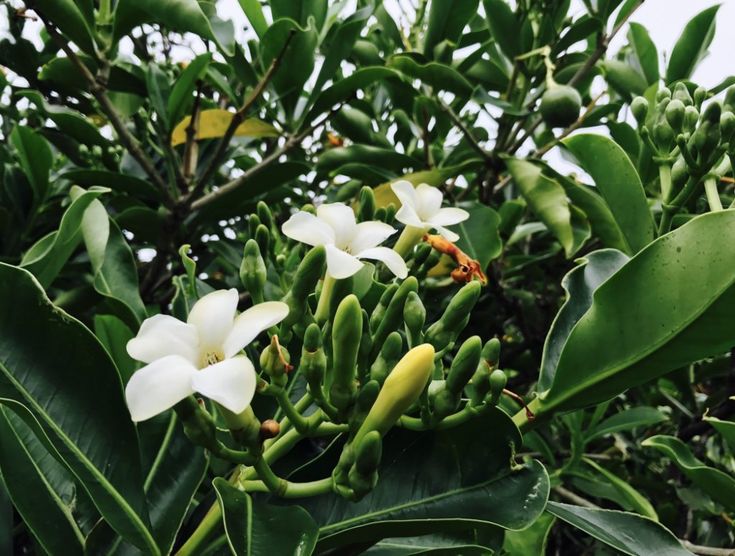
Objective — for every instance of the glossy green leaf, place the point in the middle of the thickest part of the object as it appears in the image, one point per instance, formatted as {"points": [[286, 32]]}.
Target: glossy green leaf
{"points": [[717, 484], [634, 500], [345, 88], [668, 306], [725, 428], [692, 45], [181, 92], [300, 11], [48, 255], [464, 481], [159, 90], [627, 420], [113, 264], [70, 19], [548, 200], [579, 285], [466, 543], [333, 159], [125, 183], [35, 159], [645, 50], [439, 76], [257, 529], [530, 541], [114, 335], [102, 452], [254, 12], [40, 488], [446, 20], [297, 62], [618, 183], [504, 26], [478, 235], [629, 533], [626, 80]]}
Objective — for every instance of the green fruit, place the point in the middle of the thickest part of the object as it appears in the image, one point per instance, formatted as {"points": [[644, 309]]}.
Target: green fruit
{"points": [[560, 106]]}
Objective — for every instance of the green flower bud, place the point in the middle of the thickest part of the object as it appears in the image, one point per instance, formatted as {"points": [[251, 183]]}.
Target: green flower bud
{"points": [[368, 453], [464, 364], [304, 282], [265, 214], [691, 117], [420, 254], [679, 172], [455, 317], [313, 362], [199, 427], [393, 317], [712, 113], [274, 360], [497, 381], [639, 108], [560, 106], [681, 93], [414, 315], [491, 352], [253, 223], [380, 309], [361, 484], [387, 358], [700, 94], [366, 346], [253, 273], [380, 214], [444, 402], [347, 191], [390, 213], [727, 126], [363, 403], [400, 391], [263, 237], [675, 114], [730, 99], [663, 135], [367, 204], [346, 334], [663, 94]]}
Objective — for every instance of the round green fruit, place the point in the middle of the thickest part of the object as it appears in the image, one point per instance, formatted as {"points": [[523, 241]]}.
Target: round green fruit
{"points": [[560, 106]]}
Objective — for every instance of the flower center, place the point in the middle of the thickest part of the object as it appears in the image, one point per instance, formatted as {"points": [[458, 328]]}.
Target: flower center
{"points": [[211, 357]]}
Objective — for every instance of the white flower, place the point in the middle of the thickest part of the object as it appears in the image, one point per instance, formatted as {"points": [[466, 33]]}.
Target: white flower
{"points": [[199, 355], [421, 207], [345, 241]]}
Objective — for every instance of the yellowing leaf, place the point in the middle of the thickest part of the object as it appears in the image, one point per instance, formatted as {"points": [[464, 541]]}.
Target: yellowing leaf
{"points": [[214, 123]]}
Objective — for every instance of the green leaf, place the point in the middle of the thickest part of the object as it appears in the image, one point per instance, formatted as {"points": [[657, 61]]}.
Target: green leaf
{"points": [[440, 76], [66, 15], [35, 159], [114, 335], [300, 11], [478, 235], [725, 428], [464, 481], [715, 483], [626, 420], [257, 529], [504, 26], [297, 62], [48, 255], [158, 91], [101, 452], [113, 264], [692, 45], [618, 183], [135, 187], [629, 533], [579, 285], [548, 200], [447, 20], [626, 80], [254, 12], [332, 160], [40, 488], [181, 92], [530, 541], [633, 499], [345, 88], [667, 307], [645, 50]]}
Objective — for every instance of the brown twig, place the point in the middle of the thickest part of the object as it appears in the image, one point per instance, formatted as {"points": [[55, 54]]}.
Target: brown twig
{"points": [[238, 118], [191, 150], [463, 128]]}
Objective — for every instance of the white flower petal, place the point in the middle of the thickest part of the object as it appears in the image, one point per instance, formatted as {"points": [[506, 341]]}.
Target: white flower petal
{"points": [[252, 322], [213, 315], [429, 201], [162, 335], [341, 219], [230, 383], [370, 234], [159, 386], [307, 228], [406, 193], [340, 264], [449, 235], [392, 260], [406, 215], [449, 216]]}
